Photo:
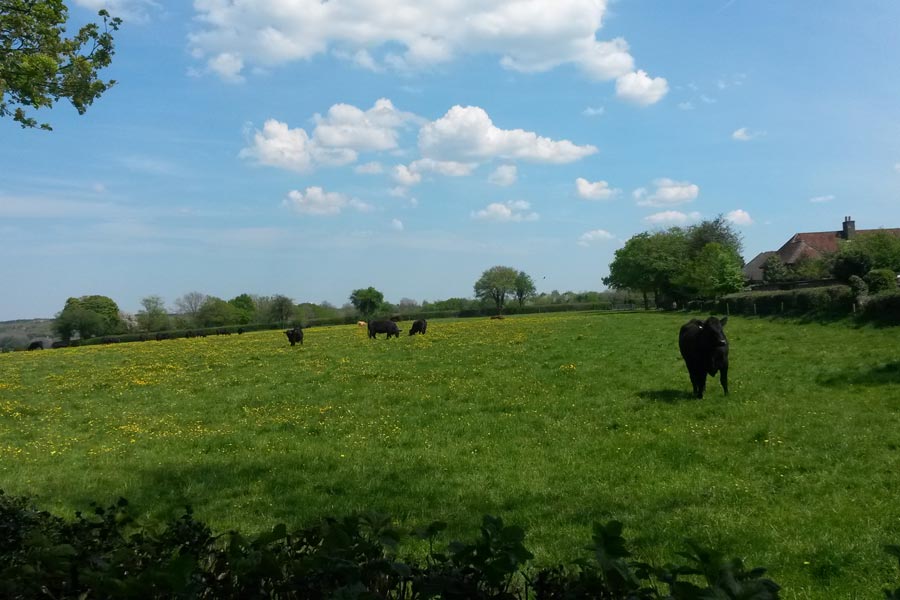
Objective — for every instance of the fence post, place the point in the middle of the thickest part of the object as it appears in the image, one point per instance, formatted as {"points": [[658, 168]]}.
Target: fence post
{"points": [[727, 308], [782, 307], [754, 309]]}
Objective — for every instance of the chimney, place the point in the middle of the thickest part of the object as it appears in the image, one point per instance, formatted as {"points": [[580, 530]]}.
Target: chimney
{"points": [[849, 229]]}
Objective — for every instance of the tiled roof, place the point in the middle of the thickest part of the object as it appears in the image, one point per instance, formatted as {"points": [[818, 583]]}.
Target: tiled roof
{"points": [[814, 244], [753, 269]]}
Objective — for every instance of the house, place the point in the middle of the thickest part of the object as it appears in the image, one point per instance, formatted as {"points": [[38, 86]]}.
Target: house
{"points": [[807, 245]]}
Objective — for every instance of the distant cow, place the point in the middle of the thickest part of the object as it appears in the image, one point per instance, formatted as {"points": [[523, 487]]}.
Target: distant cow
{"points": [[418, 326], [705, 350], [36, 345], [110, 340], [294, 335], [388, 327], [222, 331], [59, 344], [162, 336], [362, 324], [240, 330], [496, 316]]}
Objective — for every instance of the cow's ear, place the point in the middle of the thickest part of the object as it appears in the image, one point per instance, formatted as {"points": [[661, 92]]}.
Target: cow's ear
{"points": [[723, 321]]}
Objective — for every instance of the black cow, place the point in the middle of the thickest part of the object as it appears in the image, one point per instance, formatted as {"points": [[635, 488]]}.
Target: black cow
{"points": [[162, 336], [59, 344], [294, 335], [36, 345], [705, 350], [388, 327], [418, 326]]}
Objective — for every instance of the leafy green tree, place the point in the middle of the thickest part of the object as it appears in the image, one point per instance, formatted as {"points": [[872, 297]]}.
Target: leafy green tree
{"points": [[39, 66], [153, 317], [215, 312], [524, 287], [650, 263], [714, 272], [366, 300], [281, 309], [774, 270], [718, 231], [88, 316], [496, 284], [245, 307]]}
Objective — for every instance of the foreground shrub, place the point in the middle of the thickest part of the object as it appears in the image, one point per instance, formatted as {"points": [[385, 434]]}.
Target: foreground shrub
{"points": [[881, 280], [883, 307], [107, 555]]}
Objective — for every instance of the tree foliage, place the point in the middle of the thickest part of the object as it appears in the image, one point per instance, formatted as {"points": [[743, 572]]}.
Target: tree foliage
{"points": [[245, 308], [525, 288], [215, 312], [39, 66], [678, 263], [153, 317], [88, 316], [496, 284], [367, 300], [281, 309]]}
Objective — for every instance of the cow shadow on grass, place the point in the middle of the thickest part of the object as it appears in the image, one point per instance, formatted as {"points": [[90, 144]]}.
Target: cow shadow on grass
{"points": [[884, 374], [666, 396]]}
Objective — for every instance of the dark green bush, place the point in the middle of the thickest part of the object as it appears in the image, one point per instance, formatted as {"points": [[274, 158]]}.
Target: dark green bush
{"points": [[106, 554], [880, 280], [883, 308]]}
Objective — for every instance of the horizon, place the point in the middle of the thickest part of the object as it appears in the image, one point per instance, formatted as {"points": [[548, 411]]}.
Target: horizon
{"points": [[274, 149]]}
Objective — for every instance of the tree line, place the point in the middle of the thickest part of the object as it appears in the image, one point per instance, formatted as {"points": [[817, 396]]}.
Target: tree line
{"points": [[97, 316]]}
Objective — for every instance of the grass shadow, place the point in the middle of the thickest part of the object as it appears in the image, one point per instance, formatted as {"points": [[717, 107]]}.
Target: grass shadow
{"points": [[666, 396], [885, 374]]}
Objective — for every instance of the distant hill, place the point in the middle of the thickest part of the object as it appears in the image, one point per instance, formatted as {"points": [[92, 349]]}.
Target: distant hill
{"points": [[15, 335]]}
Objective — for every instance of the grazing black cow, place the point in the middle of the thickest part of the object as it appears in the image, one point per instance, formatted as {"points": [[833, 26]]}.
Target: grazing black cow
{"points": [[222, 331], [388, 327], [240, 330], [418, 326], [36, 345], [162, 336], [189, 333], [705, 350], [59, 344], [110, 340], [294, 335]]}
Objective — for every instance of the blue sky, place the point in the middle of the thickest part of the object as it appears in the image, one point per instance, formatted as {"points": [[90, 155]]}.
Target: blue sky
{"points": [[310, 149]]}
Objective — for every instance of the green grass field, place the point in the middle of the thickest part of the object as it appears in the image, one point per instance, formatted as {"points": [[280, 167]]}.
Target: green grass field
{"points": [[552, 422]]}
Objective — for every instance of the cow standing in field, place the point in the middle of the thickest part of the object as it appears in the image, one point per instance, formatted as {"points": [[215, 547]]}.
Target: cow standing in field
{"points": [[294, 335], [36, 345], [388, 327], [704, 348], [418, 326]]}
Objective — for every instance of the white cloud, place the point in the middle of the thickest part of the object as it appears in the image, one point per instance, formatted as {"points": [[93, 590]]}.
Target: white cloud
{"points": [[897, 167], [406, 176], [671, 217], [370, 168], [739, 217], [467, 134], [639, 88], [411, 174], [591, 111], [706, 99], [598, 190], [667, 193], [745, 135], [504, 175], [527, 35], [337, 139], [277, 145], [316, 201], [227, 66], [514, 211], [346, 126], [821, 199], [396, 224], [98, 188], [595, 235], [686, 106]]}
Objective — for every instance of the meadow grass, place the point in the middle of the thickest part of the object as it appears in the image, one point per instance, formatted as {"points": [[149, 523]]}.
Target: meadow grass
{"points": [[551, 422]]}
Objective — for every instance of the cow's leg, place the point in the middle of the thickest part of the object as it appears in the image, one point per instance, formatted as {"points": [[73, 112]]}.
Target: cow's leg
{"points": [[698, 378], [723, 377]]}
